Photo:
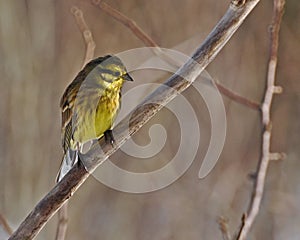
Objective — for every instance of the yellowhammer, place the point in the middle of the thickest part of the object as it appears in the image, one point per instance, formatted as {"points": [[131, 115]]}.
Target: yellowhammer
{"points": [[90, 105]]}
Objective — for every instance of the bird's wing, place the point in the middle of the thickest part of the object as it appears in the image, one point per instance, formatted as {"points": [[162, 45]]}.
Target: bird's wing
{"points": [[67, 109]]}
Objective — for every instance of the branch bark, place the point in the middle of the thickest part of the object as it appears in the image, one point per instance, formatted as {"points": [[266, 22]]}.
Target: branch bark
{"points": [[149, 42], [226, 27], [271, 89]]}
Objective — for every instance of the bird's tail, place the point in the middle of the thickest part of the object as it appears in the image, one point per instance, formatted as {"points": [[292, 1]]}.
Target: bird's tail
{"points": [[68, 161]]}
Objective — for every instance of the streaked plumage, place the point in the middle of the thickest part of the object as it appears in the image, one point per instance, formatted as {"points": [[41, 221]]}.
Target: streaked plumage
{"points": [[90, 105]]}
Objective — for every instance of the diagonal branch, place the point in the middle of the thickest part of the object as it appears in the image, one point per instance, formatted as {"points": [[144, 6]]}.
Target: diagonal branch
{"points": [[135, 29], [127, 22], [207, 51], [237, 97], [266, 155], [149, 42]]}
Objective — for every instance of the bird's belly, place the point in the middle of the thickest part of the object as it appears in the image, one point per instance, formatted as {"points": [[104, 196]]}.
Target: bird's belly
{"points": [[97, 121]]}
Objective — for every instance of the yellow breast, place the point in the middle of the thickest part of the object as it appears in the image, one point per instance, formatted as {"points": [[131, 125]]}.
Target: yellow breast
{"points": [[99, 116]]}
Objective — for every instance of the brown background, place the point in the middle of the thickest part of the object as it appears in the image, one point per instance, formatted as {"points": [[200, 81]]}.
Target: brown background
{"points": [[41, 49]]}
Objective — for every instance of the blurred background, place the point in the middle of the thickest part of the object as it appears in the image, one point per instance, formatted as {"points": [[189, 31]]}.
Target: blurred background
{"points": [[42, 50]]}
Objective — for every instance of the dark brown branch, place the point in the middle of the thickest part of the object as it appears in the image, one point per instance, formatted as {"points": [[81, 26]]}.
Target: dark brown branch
{"points": [[206, 52], [149, 42], [266, 155], [45, 209]]}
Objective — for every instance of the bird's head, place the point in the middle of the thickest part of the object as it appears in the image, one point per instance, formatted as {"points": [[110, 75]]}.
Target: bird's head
{"points": [[110, 69]]}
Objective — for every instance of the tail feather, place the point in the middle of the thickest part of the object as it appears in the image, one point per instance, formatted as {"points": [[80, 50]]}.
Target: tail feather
{"points": [[69, 160]]}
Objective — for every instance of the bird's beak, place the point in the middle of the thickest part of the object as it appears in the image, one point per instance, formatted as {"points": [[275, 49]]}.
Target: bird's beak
{"points": [[127, 77]]}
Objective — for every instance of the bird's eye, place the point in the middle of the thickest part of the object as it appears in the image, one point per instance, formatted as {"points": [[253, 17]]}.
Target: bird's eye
{"points": [[116, 74]]}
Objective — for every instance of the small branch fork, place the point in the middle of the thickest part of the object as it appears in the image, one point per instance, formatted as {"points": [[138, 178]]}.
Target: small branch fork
{"points": [[204, 54], [266, 155]]}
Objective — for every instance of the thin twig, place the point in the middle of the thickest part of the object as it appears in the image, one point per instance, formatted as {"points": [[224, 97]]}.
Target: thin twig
{"points": [[127, 22], [62, 224], [89, 55], [86, 33], [5, 225], [237, 98], [258, 190], [223, 225], [277, 156], [149, 42], [177, 83], [136, 30]]}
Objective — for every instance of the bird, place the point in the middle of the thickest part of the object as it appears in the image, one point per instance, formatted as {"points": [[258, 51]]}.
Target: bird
{"points": [[89, 107]]}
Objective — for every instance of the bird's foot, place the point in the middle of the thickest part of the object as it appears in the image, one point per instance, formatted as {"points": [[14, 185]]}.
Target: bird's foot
{"points": [[109, 137]]}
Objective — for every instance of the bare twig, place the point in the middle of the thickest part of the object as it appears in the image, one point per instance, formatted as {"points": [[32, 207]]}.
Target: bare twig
{"points": [[86, 33], [126, 21], [89, 55], [277, 156], [149, 42], [62, 225], [135, 29], [5, 225], [258, 190], [177, 83], [223, 225], [237, 98]]}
